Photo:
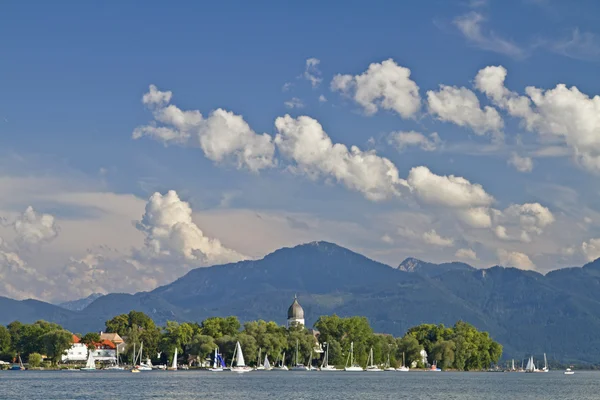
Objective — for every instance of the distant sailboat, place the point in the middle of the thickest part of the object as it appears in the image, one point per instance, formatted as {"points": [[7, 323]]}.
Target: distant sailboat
{"points": [[281, 366], [371, 367], [18, 367], [238, 360], [266, 364], [218, 363], [90, 365], [350, 365], [530, 365], [388, 366], [259, 366], [325, 365], [173, 366], [116, 366], [147, 366], [545, 369], [298, 366], [403, 368]]}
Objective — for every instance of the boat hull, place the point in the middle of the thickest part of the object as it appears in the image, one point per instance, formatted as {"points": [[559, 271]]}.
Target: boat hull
{"points": [[353, 369]]}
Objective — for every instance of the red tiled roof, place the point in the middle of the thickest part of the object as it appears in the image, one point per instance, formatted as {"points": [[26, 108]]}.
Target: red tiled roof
{"points": [[75, 339], [105, 344]]}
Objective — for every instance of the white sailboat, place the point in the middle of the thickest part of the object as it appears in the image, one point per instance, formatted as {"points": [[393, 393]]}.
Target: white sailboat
{"points": [[371, 367], [298, 366], [238, 360], [173, 366], [569, 371], [403, 368], [281, 366], [266, 364], [90, 365], [530, 367], [350, 365], [545, 369], [325, 365], [388, 366], [116, 366], [147, 366], [218, 363], [259, 366]]}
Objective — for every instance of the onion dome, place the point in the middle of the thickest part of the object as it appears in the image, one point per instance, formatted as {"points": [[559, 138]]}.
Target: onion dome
{"points": [[295, 311]]}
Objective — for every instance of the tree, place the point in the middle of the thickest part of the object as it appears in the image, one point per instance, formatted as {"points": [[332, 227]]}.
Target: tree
{"points": [[218, 326], [411, 348], [202, 346], [90, 339], [118, 324], [5, 342], [443, 353], [35, 360], [56, 343]]}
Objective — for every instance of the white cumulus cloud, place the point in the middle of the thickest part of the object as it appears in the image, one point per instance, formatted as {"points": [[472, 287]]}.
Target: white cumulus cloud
{"points": [[461, 107], [304, 141], [223, 135], [384, 85], [33, 228], [514, 259], [591, 249], [563, 113], [294, 102], [171, 233], [402, 140], [466, 254], [433, 238]]}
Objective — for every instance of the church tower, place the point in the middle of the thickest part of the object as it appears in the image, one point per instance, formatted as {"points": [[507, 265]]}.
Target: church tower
{"points": [[295, 314]]}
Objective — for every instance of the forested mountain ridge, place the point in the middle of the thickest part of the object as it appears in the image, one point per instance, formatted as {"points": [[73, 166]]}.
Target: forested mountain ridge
{"points": [[527, 312]]}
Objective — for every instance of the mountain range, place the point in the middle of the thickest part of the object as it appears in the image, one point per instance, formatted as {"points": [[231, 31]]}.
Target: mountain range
{"points": [[527, 312]]}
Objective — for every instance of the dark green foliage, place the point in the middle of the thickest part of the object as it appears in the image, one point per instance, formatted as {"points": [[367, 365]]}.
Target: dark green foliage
{"points": [[89, 339], [56, 343], [35, 360]]}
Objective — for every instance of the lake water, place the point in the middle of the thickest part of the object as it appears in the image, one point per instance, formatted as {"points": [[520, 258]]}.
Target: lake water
{"points": [[184, 385]]}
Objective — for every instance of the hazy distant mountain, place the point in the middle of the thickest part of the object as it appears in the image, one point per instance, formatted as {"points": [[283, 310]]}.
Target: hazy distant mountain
{"points": [[525, 311], [80, 304]]}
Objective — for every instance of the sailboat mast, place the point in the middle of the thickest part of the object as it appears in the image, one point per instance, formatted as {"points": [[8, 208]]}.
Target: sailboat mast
{"points": [[351, 353]]}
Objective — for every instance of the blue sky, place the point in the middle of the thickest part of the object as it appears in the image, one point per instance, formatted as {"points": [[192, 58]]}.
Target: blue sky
{"points": [[72, 77]]}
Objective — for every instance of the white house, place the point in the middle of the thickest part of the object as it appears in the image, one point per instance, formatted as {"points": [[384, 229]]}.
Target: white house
{"points": [[77, 352]]}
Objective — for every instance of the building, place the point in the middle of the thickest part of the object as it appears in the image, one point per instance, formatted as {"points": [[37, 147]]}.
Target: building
{"points": [[105, 351], [77, 352], [295, 314], [116, 339]]}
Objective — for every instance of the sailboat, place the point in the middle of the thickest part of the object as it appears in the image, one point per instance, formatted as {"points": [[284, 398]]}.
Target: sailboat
{"points": [[90, 365], [545, 369], [116, 366], [281, 366], [298, 366], [325, 365], [350, 365], [173, 366], [266, 364], [259, 366], [434, 367], [147, 366], [218, 363], [403, 368], [238, 360], [530, 365], [310, 363], [371, 367], [388, 366], [19, 367]]}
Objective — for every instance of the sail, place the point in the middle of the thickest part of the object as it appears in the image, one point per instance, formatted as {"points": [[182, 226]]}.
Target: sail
{"points": [[529, 365], [239, 360], [174, 365], [91, 363], [221, 361], [267, 364], [216, 359]]}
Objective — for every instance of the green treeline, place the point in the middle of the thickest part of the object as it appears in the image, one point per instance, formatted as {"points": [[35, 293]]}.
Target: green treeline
{"points": [[461, 347]]}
